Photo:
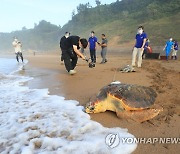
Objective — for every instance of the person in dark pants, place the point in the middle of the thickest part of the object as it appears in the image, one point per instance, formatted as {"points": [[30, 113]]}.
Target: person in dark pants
{"points": [[17, 47], [63, 43], [103, 45], [71, 51], [145, 48], [92, 42]]}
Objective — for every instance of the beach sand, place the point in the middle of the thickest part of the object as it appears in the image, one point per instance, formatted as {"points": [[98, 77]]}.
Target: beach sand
{"points": [[164, 77]]}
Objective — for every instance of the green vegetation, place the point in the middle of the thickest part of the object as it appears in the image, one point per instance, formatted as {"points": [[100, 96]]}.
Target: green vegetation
{"points": [[43, 36], [161, 19]]}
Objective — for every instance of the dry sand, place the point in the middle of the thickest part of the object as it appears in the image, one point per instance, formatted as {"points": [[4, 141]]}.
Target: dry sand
{"points": [[163, 76]]}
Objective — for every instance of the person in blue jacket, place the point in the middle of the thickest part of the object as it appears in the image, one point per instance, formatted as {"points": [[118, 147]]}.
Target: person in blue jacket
{"points": [[92, 43], [168, 47]]}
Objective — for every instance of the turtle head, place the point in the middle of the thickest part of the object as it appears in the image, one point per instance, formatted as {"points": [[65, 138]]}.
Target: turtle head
{"points": [[97, 103], [95, 107]]}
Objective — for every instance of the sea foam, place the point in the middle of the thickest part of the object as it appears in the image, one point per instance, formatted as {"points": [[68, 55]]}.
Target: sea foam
{"points": [[31, 121]]}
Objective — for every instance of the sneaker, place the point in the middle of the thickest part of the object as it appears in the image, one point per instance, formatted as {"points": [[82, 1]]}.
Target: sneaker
{"points": [[102, 62], [72, 72], [105, 61]]}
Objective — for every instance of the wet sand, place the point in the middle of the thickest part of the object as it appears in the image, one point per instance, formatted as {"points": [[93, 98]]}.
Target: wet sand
{"points": [[162, 76]]}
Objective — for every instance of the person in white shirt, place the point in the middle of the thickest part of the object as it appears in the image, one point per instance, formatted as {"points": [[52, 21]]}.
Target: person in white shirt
{"points": [[17, 47]]}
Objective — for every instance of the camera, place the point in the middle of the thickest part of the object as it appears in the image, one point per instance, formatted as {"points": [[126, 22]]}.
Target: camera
{"points": [[91, 65]]}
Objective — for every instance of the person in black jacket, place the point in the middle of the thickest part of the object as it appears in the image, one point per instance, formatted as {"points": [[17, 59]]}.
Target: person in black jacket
{"points": [[63, 43], [72, 49]]}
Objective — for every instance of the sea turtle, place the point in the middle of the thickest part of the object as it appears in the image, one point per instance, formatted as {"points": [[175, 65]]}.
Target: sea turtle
{"points": [[128, 101], [127, 68]]}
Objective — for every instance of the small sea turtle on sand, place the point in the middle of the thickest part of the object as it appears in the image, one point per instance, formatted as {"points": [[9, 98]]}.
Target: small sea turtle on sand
{"points": [[128, 101], [127, 68]]}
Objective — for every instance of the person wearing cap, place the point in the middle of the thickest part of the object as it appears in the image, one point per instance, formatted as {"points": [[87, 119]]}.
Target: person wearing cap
{"points": [[138, 49], [63, 43], [175, 49], [168, 47], [71, 52], [92, 43], [17, 47]]}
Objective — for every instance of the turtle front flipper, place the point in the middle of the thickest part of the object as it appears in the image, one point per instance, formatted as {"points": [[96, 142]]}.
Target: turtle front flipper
{"points": [[141, 115]]}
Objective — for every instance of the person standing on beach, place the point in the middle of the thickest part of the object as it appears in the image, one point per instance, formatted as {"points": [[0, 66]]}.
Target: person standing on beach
{"points": [[71, 51], [92, 43], [168, 47], [17, 47], [175, 49], [138, 49], [103, 45], [145, 48], [63, 43]]}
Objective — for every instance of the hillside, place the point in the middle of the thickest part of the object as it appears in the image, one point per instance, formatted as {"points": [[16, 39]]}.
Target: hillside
{"points": [[42, 37], [161, 19], [119, 21]]}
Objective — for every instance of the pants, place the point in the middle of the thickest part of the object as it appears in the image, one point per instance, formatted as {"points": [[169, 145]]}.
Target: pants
{"points": [[174, 53], [69, 61], [17, 56], [168, 51], [139, 52], [103, 54], [93, 55]]}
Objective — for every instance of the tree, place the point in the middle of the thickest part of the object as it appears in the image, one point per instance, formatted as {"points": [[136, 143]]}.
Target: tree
{"points": [[152, 9], [24, 28], [73, 13], [98, 2], [89, 5], [81, 8]]}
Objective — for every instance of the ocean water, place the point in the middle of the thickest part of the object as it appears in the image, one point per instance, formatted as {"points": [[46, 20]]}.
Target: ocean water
{"points": [[31, 121]]}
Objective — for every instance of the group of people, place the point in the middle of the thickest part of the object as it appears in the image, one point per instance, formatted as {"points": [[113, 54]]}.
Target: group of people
{"points": [[141, 47], [171, 45], [73, 46]]}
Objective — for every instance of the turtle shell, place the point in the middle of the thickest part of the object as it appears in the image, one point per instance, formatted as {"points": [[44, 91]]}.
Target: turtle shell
{"points": [[133, 96]]}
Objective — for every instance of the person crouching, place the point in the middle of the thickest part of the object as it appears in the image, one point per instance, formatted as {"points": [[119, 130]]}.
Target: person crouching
{"points": [[72, 51]]}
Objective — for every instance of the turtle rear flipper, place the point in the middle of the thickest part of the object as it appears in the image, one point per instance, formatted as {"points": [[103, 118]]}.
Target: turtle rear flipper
{"points": [[140, 115]]}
